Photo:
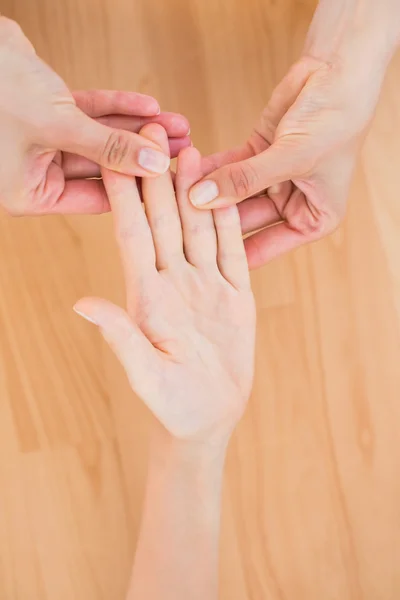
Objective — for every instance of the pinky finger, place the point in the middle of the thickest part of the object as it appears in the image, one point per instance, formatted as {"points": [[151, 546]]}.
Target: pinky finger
{"points": [[135, 352], [231, 255]]}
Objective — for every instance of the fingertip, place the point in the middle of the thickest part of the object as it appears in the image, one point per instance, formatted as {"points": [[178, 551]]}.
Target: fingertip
{"points": [[83, 308], [180, 125], [189, 165], [150, 106], [156, 134], [189, 154]]}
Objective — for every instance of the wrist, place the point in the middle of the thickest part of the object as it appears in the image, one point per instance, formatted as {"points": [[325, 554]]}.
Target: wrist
{"points": [[358, 32], [187, 454]]}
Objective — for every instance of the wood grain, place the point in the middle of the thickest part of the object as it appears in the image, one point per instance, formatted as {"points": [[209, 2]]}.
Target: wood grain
{"points": [[312, 495]]}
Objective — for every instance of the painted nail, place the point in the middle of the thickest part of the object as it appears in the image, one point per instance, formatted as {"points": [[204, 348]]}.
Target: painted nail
{"points": [[81, 314], [153, 161], [204, 193]]}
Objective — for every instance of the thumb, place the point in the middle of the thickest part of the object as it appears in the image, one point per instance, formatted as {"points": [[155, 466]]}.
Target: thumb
{"points": [[136, 354], [235, 182], [114, 149]]}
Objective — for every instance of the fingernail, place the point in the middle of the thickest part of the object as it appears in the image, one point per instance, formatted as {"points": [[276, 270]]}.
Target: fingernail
{"points": [[275, 189], [81, 314], [204, 193], [153, 161]]}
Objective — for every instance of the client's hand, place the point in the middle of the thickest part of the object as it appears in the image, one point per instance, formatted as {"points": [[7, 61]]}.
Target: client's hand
{"points": [[187, 338]]}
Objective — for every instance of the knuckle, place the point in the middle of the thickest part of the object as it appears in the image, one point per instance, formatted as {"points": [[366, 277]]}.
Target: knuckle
{"points": [[244, 179], [125, 233], [316, 227], [129, 231], [117, 149], [306, 163]]}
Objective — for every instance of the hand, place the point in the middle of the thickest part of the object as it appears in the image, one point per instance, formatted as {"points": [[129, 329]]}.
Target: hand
{"points": [[52, 141], [293, 173], [187, 338]]}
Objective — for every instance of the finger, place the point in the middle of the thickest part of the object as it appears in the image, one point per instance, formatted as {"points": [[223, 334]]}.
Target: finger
{"points": [[272, 242], [231, 256], [199, 236], [161, 208], [77, 167], [220, 159], [257, 213], [114, 149], [135, 352], [178, 144], [175, 125], [97, 103], [131, 228], [78, 198], [236, 182], [280, 193]]}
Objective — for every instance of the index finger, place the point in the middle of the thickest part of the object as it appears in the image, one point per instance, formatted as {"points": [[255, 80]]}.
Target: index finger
{"points": [[99, 103]]}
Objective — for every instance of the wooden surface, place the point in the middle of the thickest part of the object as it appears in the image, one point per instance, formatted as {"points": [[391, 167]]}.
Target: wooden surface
{"points": [[312, 496]]}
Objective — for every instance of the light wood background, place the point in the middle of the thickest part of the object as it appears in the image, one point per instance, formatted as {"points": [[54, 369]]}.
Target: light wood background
{"points": [[312, 496]]}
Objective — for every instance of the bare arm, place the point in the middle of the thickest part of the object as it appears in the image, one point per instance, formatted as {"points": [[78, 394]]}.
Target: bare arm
{"points": [[362, 29], [177, 553]]}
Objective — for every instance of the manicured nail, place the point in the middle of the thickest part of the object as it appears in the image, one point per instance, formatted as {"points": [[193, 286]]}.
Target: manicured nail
{"points": [[275, 189], [153, 161], [204, 193], [81, 314]]}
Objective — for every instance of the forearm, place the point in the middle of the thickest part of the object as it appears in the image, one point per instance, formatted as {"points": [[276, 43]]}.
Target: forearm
{"points": [[363, 29], [177, 553]]}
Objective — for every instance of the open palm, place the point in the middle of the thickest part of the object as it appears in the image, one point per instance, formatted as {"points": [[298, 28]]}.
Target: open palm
{"points": [[187, 340]]}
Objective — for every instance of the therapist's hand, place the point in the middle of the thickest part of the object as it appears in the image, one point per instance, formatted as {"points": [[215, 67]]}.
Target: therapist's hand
{"points": [[292, 176], [52, 141], [293, 173]]}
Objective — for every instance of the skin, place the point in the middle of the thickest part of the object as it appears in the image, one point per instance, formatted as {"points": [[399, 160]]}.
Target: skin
{"points": [[52, 140], [292, 175], [186, 342]]}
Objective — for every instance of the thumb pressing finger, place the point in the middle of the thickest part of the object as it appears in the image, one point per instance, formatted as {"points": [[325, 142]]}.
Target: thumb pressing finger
{"points": [[114, 149], [236, 182]]}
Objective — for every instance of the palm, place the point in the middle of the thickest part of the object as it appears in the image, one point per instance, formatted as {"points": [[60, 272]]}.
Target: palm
{"points": [[188, 292], [201, 331]]}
